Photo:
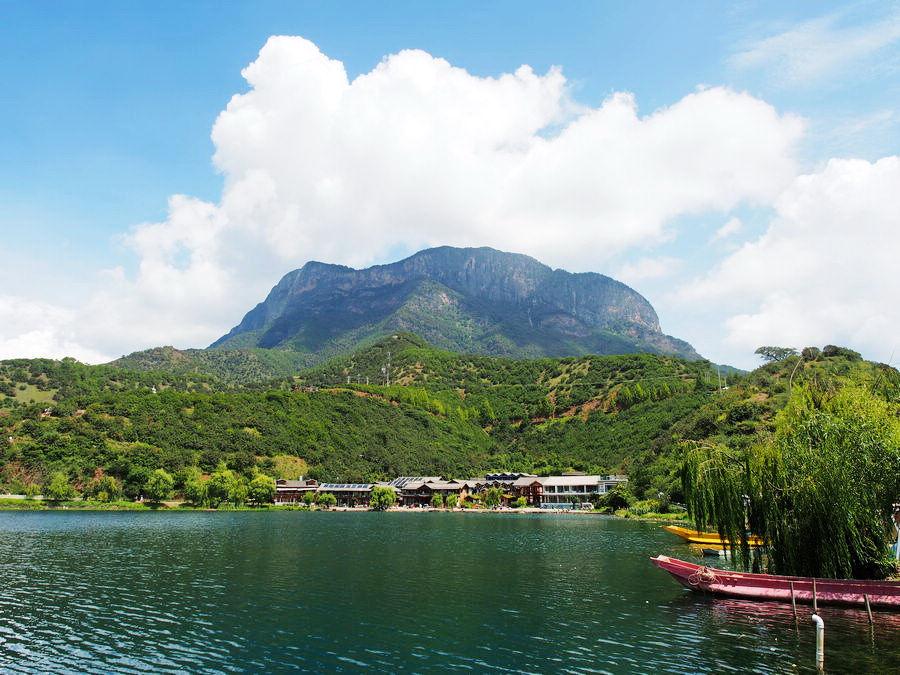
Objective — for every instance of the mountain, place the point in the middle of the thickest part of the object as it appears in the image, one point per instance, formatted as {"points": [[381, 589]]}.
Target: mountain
{"points": [[471, 300]]}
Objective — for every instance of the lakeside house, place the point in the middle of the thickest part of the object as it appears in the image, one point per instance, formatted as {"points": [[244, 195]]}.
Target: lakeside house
{"points": [[563, 491], [292, 491], [547, 492]]}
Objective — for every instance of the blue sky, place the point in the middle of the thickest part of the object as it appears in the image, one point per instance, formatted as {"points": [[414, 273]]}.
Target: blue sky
{"points": [[107, 109]]}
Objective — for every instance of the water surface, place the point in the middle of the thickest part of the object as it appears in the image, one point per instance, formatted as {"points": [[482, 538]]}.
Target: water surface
{"points": [[252, 592]]}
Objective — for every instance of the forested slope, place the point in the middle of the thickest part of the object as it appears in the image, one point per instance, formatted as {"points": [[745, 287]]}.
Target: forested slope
{"points": [[443, 413]]}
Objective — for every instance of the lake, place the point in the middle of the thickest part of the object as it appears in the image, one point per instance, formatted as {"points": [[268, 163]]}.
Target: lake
{"points": [[426, 592]]}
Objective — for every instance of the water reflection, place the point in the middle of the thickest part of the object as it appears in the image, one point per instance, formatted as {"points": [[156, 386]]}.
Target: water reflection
{"points": [[348, 592]]}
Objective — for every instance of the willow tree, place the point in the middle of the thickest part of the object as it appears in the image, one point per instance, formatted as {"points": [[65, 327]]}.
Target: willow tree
{"points": [[819, 493]]}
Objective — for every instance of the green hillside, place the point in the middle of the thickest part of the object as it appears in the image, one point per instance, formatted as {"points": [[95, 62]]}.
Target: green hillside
{"points": [[230, 366], [443, 413]]}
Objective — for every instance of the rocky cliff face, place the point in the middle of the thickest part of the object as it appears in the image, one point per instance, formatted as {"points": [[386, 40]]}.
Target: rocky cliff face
{"points": [[472, 300]]}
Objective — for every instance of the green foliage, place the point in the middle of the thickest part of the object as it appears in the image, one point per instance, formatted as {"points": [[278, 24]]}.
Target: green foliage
{"points": [[831, 351], [224, 486], [58, 488], [444, 414], [775, 353], [326, 500], [382, 498], [195, 490], [820, 492], [104, 488], [620, 497], [452, 501], [261, 489], [437, 500], [159, 486], [492, 497], [520, 503], [289, 467]]}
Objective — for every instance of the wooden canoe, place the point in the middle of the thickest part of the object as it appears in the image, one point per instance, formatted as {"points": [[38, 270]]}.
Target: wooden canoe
{"points": [[777, 588], [709, 539]]}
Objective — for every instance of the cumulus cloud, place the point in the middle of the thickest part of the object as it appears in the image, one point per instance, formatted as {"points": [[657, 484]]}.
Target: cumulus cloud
{"points": [[815, 49], [825, 271], [30, 329], [418, 152]]}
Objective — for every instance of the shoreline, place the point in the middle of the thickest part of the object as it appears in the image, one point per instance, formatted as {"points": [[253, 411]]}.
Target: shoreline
{"points": [[13, 503]]}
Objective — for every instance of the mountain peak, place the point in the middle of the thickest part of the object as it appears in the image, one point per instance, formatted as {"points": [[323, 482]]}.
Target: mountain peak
{"points": [[463, 299]]}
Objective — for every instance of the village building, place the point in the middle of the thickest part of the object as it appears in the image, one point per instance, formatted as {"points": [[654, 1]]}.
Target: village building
{"points": [[292, 491], [561, 492], [349, 494], [418, 491], [547, 492]]}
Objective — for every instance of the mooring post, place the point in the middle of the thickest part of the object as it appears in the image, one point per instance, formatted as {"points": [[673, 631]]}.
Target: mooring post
{"points": [[868, 608], [815, 601], [820, 642], [793, 601]]}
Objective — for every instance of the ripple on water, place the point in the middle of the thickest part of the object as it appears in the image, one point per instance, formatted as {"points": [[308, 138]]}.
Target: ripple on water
{"points": [[381, 592]]}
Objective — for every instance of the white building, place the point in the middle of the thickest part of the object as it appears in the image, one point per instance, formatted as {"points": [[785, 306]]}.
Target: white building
{"points": [[560, 492]]}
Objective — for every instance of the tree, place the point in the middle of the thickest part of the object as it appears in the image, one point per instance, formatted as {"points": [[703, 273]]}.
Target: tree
{"points": [[619, 497], [382, 498], [195, 490], [238, 490], [820, 492], [437, 500], [521, 503], [811, 353], [452, 500], [492, 497], [58, 488], [103, 489], [326, 500], [309, 497], [159, 486], [262, 489], [218, 487], [769, 353]]}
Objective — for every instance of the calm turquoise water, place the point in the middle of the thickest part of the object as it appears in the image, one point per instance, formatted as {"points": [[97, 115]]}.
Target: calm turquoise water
{"points": [[223, 592]]}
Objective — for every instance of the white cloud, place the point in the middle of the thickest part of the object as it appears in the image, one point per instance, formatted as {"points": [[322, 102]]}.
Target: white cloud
{"points": [[824, 272], [30, 329], [815, 49], [729, 229], [646, 269], [415, 153]]}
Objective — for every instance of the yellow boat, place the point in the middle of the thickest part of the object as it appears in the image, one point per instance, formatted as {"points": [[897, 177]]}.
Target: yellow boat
{"points": [[706, 538]]}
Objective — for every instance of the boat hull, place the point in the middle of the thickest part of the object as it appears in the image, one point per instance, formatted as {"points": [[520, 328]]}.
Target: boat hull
{"points": [[711, 539], [777, 588]]}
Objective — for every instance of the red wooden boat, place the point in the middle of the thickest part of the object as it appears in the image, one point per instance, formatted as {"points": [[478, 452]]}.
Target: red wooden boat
{"points": [[777, 588]]}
